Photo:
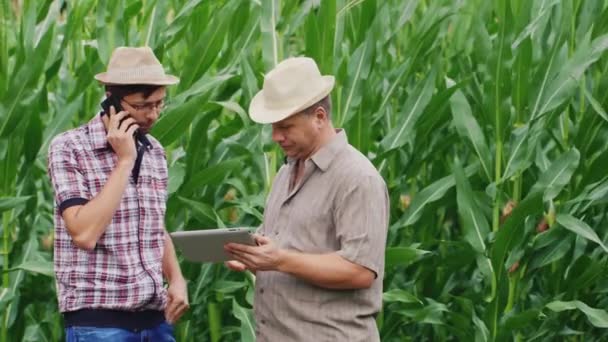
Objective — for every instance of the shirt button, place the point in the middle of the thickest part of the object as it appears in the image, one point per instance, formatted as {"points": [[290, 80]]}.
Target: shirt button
{"points": [[263, 321], [261, 290], [276, 233]]}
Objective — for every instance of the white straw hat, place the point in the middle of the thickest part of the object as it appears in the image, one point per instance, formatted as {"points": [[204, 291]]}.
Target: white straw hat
{"points": [[292, 86], [135, 65]]}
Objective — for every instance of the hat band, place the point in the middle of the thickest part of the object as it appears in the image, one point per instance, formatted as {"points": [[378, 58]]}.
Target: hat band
{"points": [[141, 72], [279, 101]]}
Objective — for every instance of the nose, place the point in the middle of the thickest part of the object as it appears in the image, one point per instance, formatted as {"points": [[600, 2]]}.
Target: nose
{"points": [[153, 114], [277, 136]]}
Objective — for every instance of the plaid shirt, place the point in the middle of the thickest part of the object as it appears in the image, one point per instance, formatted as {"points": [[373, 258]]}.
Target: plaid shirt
{"points": [[124, 270]]}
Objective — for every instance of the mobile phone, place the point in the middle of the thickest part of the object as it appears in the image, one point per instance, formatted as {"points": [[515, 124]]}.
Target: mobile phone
{"points": [[115, 102], [111, 101]]}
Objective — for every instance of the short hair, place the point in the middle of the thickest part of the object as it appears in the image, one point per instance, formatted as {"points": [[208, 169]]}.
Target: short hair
{"points": [[324, 103], [121, 91]]}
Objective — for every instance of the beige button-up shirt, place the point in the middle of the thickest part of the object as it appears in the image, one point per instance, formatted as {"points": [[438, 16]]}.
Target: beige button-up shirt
{"points": [[340, 205]]}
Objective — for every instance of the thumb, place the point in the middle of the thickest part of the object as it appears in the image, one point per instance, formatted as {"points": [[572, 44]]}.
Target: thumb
{"points": [[262, 240]]}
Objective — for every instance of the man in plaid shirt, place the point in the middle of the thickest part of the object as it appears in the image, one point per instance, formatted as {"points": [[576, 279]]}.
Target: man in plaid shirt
{"points": [[111, 246]]}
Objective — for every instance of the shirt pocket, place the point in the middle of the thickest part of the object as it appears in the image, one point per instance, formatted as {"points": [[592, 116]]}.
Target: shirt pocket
{"points": [[310, 227]]}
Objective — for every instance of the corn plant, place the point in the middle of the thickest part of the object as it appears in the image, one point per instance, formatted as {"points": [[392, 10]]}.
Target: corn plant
{"points": [[487, 120]]}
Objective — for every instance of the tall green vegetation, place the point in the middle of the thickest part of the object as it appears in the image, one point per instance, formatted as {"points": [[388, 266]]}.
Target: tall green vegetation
{"points": [[488, 120]]}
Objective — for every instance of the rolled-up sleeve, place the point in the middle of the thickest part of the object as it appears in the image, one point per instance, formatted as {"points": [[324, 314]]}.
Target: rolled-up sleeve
{"points": [[69, 183], [362, 222]]}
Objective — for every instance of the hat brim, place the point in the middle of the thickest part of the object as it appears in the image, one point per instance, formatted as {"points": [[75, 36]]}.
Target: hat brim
{"points": [[166, 80], [260, 112]]}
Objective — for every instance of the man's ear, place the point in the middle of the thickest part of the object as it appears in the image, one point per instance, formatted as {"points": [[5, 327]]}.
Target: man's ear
{"points": [[321, 114]]}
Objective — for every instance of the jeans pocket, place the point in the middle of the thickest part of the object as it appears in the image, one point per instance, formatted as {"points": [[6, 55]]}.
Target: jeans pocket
{"points": [[164, 332]]}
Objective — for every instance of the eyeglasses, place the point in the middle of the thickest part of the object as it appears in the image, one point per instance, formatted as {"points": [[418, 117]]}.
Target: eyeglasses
{"points": [[147, 107]]}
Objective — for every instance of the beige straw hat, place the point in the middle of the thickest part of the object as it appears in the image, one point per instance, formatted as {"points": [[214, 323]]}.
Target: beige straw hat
{"points": [[292, 86], [135, 65]]}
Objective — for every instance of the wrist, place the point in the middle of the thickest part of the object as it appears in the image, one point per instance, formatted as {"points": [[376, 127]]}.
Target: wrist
{"points": [[283, 260], [125, 163], [175, 278]]}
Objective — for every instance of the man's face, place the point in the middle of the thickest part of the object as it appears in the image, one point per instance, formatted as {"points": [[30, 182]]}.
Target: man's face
{"points": [[298, 134], [145, 111]]}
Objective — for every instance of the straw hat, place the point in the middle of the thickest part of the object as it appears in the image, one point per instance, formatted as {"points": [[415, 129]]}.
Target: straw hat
{"points": [[292, 86], [135, 65]]}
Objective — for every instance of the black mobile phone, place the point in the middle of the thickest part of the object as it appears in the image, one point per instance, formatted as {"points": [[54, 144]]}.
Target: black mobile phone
{"points": [[115, 102], [111, 101]]}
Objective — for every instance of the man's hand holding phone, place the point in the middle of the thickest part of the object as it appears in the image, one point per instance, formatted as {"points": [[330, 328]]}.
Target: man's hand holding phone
{"points": [[121, 128]]}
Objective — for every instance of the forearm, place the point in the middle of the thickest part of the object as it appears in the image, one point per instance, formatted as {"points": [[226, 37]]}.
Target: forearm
{"points": [[88, 222], [171, 269], [326, 270]]}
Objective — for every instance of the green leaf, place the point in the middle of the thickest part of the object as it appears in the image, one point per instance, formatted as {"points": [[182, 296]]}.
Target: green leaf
{"points": [[402, 256], [597, 317], [176, 178], [484, 264], [482, 334], [203, 212], [236, 108], [551, 254], [597, 107], [227, 286], [581, 228], [208, 46], [509, 232], [593, 193], [401, 296], [467, 127], [270, 41], [40, 267], [212, 174], [247, 321], [395, 78], [474, 224], [558, 175], [359, 67], [24, 78], [520, 320], [412, 109], [535, 23], [6, 296], [430, 314], [203, 88], [521, 151], [8, 203], [176, 121], [430, 194], [64, 113], [34, 127], [320, 33], [561, 87]]}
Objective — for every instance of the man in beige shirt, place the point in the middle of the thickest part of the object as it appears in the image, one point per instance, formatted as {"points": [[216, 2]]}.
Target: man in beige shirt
{"points": [[320, 256]]}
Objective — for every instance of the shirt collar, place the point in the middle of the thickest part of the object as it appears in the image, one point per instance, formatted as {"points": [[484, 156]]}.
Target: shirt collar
{"points": [[327, 153], [97, 133]]}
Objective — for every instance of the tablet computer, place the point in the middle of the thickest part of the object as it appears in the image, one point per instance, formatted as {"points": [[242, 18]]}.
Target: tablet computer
{"points": [[208, 245]]}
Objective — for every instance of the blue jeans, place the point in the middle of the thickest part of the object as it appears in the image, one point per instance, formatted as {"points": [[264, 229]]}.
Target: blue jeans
{"points": [[161, 333]]}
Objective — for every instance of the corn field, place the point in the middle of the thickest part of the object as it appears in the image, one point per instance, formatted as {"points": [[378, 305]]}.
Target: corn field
{"points": [[487, 119]]}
